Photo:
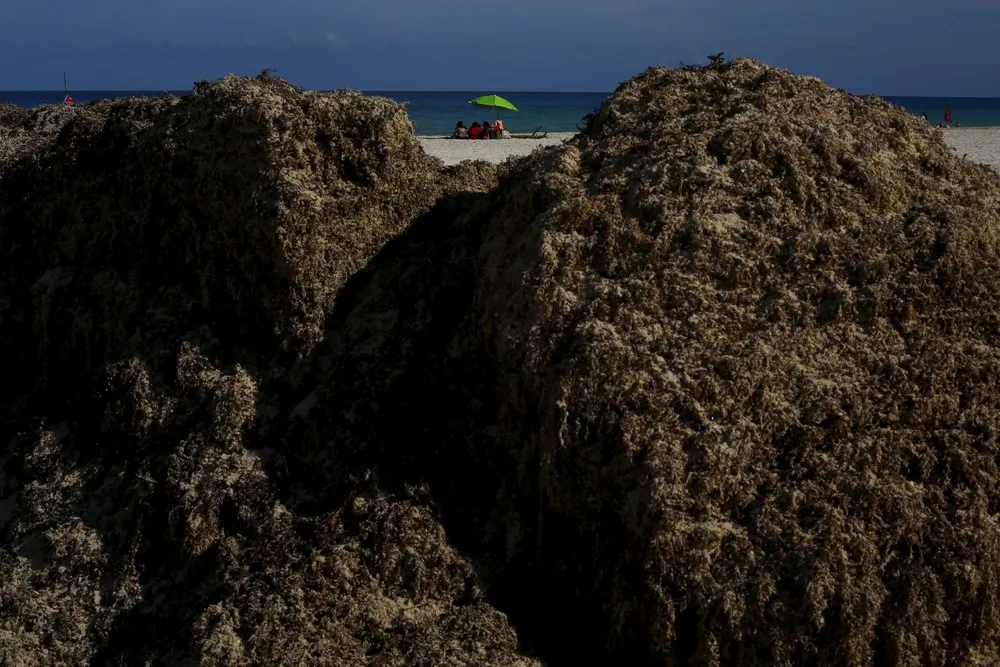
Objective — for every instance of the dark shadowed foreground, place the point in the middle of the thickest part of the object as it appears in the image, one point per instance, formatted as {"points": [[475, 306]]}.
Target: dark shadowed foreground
{"points": [[716, 384], [168, 265]]}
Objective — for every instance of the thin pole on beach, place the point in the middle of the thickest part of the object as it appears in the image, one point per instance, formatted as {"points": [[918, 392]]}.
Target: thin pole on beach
{"points": [[67, 99]]}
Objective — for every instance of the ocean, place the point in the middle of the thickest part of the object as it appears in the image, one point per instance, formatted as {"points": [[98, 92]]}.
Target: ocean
{"points": [[435, 113]]}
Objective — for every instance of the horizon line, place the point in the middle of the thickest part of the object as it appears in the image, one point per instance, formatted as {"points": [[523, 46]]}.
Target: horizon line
{"points": [[425, 92], [363, 90]]}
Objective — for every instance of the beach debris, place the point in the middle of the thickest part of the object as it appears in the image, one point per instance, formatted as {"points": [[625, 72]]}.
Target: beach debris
{"points": [[715, 383], [537, 133], [750, 375], [471, 176], [167, 267]]}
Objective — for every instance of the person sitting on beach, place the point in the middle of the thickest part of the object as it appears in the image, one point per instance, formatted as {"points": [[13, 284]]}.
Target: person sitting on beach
{"points": [[500, 131], [475, 132], [460, 131], [487, 130]]}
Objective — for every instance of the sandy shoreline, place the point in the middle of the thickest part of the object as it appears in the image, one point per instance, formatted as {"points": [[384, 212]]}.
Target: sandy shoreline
{"points": [[453, 151], [978, 144]]}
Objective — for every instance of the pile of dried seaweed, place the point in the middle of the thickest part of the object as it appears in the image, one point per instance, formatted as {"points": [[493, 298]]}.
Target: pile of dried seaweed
{"points": [[748, 355], [716, 384], [168, 265]]}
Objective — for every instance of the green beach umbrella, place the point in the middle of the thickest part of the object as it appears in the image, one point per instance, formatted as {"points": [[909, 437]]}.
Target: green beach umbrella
{"points": [[494, 102]]}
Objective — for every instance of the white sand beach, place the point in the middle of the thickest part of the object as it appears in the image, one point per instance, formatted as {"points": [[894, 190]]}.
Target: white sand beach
{"points": [[977, 144], [453, 151]]}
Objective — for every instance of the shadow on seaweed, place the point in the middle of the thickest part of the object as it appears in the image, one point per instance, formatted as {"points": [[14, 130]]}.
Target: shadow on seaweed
{"points": [[413, 405], [406, 407]]}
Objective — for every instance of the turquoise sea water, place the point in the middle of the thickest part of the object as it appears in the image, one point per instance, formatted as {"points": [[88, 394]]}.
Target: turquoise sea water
{"points": [[437, 112]]}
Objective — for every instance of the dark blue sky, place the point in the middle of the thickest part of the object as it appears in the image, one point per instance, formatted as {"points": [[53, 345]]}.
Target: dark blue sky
{"points": [[891, 47]]}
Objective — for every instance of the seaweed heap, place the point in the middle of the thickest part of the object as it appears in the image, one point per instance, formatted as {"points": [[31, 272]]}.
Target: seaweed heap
{"points": [[748, 355], [715, 384], [168, 266], [12, 128]]}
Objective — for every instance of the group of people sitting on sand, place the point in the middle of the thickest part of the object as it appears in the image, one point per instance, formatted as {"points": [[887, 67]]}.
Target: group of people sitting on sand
{"points": [[484, 131], [943, 123]]}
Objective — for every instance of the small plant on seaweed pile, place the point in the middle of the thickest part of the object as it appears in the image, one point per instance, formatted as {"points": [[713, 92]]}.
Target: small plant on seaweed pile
{"points": [[713, 61]]}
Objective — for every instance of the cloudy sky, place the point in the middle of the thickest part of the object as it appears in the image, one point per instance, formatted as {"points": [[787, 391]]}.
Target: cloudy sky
{"points": [[891, 47]]}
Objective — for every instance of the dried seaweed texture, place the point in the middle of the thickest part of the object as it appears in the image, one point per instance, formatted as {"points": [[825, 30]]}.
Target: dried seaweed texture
{"points": [[12, 115], [168, 262], [13, 128], [62, 308], [191, 558], [745, 331], [252, 198], [470, 176], [405, 397]]}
